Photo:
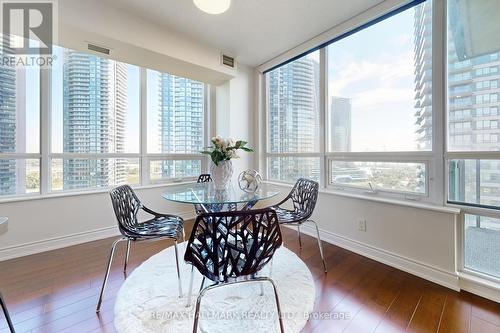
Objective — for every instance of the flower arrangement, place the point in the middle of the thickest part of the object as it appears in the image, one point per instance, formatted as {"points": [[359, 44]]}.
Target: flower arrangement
{"points": [[224, 149]]}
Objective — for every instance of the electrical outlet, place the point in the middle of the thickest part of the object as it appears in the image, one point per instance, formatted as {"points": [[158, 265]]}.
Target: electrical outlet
{"points": [[361, 225]]}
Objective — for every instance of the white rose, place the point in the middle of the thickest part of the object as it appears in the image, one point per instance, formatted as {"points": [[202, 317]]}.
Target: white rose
{"points": [[231, 142]]}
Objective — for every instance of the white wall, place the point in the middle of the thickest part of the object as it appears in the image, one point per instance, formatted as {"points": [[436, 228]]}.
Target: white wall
{"points": [[235, 115], [419, 241], [45, 224], [241, 115]]}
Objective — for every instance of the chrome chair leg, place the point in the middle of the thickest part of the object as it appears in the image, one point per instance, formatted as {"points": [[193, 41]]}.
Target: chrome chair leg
{"points": [[127, 254], [106, 276], [256, 279], [190, 291], [197, 310], [300, 238], [6, 314], [320, 245], [278, 305], [178, 270]]}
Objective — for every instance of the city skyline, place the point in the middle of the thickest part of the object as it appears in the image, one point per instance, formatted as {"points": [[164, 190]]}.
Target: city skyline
{"points": [[181, 123], [294, 118], [94, 119], [95, 109]]}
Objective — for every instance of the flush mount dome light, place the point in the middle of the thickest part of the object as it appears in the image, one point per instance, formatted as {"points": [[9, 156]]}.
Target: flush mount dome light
{"points": [[213, 6]]}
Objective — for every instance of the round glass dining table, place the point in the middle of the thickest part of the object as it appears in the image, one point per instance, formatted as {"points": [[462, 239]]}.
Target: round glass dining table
{"points": [[209, 199]]}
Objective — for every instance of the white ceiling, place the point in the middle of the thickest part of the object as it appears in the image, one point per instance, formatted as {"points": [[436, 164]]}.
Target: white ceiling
{"points": [[254, 31]]}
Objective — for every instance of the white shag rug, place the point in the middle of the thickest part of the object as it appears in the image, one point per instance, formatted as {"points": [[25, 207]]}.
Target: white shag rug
{"points": [[148, 300]]}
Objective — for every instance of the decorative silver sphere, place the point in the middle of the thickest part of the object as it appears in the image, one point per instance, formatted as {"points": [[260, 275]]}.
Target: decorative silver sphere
{"points": [[249, 181]]}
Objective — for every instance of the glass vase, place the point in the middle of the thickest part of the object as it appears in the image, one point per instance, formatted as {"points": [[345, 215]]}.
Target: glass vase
{"points": [[221, 174]]}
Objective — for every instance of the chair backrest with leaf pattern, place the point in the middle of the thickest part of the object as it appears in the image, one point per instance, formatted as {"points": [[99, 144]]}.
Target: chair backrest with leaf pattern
{"points": [[304, 196], [231, 244], [126, 206]]}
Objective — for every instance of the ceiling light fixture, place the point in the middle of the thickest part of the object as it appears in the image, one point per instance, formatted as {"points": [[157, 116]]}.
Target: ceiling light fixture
{"points": [[213, 6]]}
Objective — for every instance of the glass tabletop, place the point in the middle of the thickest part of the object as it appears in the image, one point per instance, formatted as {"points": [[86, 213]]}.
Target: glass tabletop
{"points": [[205, 193]]}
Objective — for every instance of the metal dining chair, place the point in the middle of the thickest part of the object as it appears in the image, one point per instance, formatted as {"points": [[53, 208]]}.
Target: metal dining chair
{"points": [[6, 314], [303, 197], [3, 305], [231, 248], [126, 206]]}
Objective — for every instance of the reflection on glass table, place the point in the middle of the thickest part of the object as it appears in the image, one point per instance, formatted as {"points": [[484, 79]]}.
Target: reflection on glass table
{"points": [[210, 199]]}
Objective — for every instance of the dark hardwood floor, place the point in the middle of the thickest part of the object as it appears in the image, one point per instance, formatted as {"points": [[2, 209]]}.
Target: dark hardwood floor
{"points": [[57, 291]]}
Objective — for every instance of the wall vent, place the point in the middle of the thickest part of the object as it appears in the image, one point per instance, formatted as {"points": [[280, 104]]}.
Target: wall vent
{"points": [[96, 48], [228, 61]]}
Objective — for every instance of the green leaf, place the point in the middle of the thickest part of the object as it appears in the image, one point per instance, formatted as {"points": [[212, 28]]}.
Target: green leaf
{"points": [[206, 152], [250, 150], [213, 155], [217, 157]]}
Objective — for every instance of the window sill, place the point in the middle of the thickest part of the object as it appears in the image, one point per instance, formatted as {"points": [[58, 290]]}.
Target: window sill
{"points": [[54, 195], [484, 286], [406, 203]]}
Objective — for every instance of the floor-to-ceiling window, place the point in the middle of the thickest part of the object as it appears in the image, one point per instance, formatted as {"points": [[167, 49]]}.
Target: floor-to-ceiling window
{"points": [[94, 122], [373, 129], [379, 111], [394, 124], [107, 123]]}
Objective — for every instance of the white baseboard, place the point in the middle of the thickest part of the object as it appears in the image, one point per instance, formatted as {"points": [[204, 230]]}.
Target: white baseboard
{"points": [[55, 243], [423, 270], [25, 249]]}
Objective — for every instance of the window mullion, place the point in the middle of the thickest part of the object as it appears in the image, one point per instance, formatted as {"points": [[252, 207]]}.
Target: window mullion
{"points": [[209, 117], [382, 156], [439, 97], [144, 160], [323, 107], [45, 133], [263, 124]]}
